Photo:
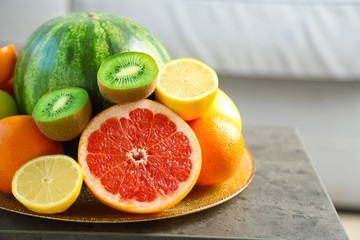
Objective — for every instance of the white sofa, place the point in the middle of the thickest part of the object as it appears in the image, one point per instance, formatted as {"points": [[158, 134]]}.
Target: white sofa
{"points": [[284, 63]]}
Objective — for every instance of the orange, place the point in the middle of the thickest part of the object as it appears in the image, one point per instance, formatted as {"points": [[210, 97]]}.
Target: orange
{"points": [[21, 141], [9, 87], [222, 147], [7, 63], [139, 157]]}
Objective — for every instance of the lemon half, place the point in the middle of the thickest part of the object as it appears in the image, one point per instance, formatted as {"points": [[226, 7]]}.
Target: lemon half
{"points": [[48, 184], [187, 86]]}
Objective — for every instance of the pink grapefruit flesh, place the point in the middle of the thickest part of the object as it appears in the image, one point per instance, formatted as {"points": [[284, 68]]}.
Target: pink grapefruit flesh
{"points": [[139, 157]]}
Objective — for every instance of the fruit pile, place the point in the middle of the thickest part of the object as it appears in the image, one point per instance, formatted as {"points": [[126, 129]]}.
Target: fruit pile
{"points": [[147, 128]]}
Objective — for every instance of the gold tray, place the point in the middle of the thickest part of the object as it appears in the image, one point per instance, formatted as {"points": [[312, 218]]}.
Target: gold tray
{"points": [[88, 209]]}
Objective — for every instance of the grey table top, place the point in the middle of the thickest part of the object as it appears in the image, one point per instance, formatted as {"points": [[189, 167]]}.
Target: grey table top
{"points": [[285, 200]]}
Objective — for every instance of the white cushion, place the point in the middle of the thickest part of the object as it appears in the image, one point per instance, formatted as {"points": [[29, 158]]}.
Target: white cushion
{"points": [[19, 18], [258, 39]]}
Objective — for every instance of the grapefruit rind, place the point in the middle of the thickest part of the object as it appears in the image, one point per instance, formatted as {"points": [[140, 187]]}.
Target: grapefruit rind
{"points": [[162, 202]]}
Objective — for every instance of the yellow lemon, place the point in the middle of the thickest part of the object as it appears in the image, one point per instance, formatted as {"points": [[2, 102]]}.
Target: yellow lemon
{"points": [[48, 184], [187, 86], [226, 106]]}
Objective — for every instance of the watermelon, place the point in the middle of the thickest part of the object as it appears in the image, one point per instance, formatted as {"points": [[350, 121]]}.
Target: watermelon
{"points": [[68, 51]]}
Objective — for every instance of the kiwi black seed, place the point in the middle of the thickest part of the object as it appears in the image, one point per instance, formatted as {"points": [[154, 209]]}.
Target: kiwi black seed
{"points": [[127, 77], [62, 114]]}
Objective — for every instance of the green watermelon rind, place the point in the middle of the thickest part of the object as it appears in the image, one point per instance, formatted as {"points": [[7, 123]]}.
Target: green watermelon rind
{"points": [[67, 51]]}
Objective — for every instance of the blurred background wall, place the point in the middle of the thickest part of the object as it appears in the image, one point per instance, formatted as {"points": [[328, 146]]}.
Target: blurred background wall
{"points": [[284, 63]]}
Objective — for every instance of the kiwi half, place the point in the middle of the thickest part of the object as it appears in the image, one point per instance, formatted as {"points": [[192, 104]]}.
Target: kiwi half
{"points": [[62, 114], [127, 77]]}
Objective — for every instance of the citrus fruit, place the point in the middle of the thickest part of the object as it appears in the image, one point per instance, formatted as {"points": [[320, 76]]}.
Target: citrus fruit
{"points": [[48, 184], [226, 106], [9, 87], [222, 147], [7, 63], [21, 141], [7, 105], [187, 86], [139, 157]]}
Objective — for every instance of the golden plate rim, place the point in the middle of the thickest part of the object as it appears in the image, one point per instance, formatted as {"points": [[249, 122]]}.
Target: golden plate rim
{"points": [[212, 195]]}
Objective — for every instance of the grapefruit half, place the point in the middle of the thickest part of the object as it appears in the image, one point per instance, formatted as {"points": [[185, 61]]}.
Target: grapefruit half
{"points": [[139, 157]]}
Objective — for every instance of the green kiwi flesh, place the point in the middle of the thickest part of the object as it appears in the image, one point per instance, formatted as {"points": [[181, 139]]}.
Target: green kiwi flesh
{"points": [[62, 114], [127, 77]]}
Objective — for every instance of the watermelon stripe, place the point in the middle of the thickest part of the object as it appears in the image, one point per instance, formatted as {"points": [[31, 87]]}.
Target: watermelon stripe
{"points": [[68, 51]]}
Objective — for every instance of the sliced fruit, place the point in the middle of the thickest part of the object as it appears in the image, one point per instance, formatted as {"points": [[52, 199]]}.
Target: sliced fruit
{"points": [[139, 157], [7, 105], [48, 184], [127, 77], [226, 106], [222, 147], [62, 115], [187, 86], [7, 63]]}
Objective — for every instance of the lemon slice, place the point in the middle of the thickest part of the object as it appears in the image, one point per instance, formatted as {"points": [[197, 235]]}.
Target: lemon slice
{"points": [[48, 184], [187, 86]]}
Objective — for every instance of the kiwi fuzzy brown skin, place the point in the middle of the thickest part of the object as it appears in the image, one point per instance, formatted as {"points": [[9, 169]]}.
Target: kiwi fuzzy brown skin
{"points": [[126, 95], [69, 127]]}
